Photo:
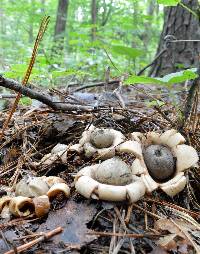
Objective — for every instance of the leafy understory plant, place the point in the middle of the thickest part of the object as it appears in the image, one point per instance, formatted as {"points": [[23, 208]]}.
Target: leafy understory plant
{"points": [[167, 80]]}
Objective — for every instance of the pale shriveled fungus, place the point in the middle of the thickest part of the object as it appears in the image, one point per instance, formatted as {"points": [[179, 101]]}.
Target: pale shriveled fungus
{"points": [[33, 196], [31, 187], [4, 207], [41, 205], [21, 206], [58, 189], [59, 153]]}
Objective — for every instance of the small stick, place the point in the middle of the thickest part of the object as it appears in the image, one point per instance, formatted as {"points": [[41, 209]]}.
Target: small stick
{"points": [[130, 209], [44, 237], [164, 203], [150, 213], [145, 216], [122, 235]]}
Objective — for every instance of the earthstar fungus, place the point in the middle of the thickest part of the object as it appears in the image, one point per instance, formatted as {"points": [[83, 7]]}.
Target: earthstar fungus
{"points": [[165, 158], [126, 187], [159, 162], [100, 142]]}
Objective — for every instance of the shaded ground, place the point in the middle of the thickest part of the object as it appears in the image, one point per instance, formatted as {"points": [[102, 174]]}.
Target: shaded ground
{"points": [[91, 226]]}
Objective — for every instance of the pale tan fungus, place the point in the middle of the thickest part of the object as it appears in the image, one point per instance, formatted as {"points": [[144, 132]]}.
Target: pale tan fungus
{"points": [[100, 142], [31, 187], [4, 207], [21, 206], [41, 205], [51, 180], [58, 188]]}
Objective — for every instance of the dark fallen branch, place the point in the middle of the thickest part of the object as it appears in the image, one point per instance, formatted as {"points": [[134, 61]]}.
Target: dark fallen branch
{"points": [[111, 82], [17, 87], [153, 62]]}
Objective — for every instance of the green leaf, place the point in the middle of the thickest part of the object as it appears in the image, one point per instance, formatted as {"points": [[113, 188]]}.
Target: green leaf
{"points": [[11, 74], [178, 77], [127, 51], [134, 79], [169, 2], [19, 68], [25, 101], [42, 60], [172, 78], [155, 103]]}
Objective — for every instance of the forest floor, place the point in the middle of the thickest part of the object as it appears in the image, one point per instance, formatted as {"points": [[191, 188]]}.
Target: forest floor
{"points": [[156, 224]]}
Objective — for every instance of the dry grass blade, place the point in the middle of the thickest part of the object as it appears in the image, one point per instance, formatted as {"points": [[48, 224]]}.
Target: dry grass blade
{"points": [[186, 217], [176, 207], [110, 234]]}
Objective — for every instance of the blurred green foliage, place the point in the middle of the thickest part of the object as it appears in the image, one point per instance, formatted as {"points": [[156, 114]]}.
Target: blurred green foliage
{"points": [[130, 37]]}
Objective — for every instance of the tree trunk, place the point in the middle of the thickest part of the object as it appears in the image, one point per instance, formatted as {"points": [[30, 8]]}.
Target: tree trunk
{"points": [[60, 27], [107, 9], [94, 13], [182, 24]]}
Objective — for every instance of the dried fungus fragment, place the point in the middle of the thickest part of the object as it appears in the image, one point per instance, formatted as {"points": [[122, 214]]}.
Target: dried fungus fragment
{"points": [[4, 207], [58, 189], [31, 187], [51, 180], [21, 206], [41, 205]]}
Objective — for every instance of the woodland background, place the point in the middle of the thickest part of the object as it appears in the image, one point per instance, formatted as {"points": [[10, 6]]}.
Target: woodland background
{"points": [[77, 44], [85, 37]]}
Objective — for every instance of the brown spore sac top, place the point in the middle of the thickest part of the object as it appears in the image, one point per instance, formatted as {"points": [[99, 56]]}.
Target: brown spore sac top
{"points": [[160, 162]]}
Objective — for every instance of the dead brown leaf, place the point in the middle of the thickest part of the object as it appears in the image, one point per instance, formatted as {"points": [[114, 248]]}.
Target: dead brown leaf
{"points": [[181, 234], [73, 217]]}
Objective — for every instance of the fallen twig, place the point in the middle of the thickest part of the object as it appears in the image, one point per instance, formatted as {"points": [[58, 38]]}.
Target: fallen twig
{"points": [[13, 85], [122, 235], [44, 237], [164, 203], [111, 82]]}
